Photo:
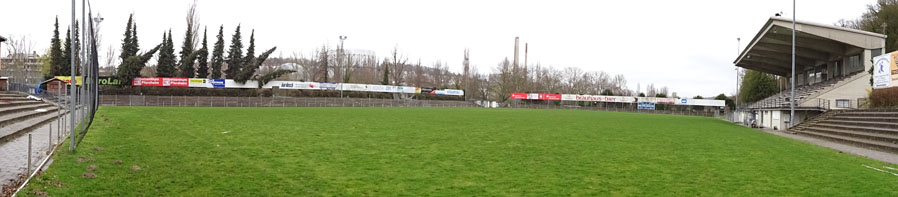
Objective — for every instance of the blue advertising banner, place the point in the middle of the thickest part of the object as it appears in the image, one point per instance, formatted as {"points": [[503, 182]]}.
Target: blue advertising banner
{"points": [[217, 83], [645, 105]]}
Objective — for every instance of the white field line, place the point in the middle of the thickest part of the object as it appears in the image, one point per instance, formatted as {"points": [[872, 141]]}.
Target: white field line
{"points": [[881, 170], [890, 168]]}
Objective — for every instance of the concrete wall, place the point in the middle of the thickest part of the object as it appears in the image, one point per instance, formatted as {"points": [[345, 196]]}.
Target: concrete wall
{"points": [[851, 90]]}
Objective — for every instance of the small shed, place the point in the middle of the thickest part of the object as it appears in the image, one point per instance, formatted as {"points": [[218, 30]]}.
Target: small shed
{"points": [[54, 86], [4, 84]]}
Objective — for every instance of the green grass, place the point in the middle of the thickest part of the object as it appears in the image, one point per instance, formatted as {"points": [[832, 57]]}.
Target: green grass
{"points": [[445, 152]]}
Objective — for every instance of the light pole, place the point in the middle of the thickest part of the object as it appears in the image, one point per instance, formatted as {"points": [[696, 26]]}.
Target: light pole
{"points": [[72, 70], [738, 52], [792, 100], [342, 38]]}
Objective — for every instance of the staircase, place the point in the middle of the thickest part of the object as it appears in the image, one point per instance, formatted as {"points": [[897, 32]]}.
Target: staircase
{"points": [[875, 129], [20, 114]]}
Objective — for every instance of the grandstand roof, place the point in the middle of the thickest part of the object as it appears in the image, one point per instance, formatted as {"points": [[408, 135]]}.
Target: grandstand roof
{"points": [[770, 51]]}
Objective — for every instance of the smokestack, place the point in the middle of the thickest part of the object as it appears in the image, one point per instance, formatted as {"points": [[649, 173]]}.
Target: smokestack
{"points": [[525, 55], [516, 39]]}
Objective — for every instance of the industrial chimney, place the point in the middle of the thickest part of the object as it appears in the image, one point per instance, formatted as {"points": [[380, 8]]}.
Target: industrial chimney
{"points": [[516, 40]]}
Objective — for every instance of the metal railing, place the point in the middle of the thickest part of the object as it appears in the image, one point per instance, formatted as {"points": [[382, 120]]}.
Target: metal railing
{"points": [[782, 103]]}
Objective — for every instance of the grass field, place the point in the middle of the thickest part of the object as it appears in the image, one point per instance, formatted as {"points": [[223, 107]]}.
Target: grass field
{"points": [[444, 152]]}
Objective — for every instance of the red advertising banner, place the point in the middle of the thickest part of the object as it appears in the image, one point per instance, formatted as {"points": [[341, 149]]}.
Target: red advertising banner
{"points": [[551, 97], [146, 81], [175, 82], [518, 96], [161, 82]]}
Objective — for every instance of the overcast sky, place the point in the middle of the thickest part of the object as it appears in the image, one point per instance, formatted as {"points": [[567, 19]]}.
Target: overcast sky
{"points": [[688, 46]]}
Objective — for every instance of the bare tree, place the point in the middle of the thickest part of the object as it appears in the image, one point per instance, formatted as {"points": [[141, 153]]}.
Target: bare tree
{"points": [[109, 66], [193, 23], [397, 66]]}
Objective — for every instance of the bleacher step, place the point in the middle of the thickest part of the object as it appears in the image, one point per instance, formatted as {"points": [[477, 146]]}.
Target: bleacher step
{"points": [[880, 130], [884, 124], [17, 103], [16, 117], [892, 139], [862, 142], [14, 130], [870, 114], [15, 109], [878, 119]]}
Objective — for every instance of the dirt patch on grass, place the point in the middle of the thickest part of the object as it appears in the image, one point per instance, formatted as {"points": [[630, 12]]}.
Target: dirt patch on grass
{"points": [[92, 167], [39, 192], [97, 148], [135, 168], [89, 175], [118, 161], [82, 159]]}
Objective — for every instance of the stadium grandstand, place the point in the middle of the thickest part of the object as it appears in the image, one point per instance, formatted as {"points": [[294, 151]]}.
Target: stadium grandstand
{"points": [[830, 65]]}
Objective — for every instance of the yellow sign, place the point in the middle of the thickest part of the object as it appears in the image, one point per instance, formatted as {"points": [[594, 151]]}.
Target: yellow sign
{"points": [[68, 79]]}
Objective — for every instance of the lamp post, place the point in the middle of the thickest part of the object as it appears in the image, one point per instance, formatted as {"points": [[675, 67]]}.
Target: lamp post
{"points": [[736, 100], [792, 99], [72, 70], [342, 38]]}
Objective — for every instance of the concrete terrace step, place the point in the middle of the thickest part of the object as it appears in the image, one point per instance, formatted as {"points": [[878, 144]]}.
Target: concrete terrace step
{"points": [[879, 130], [892, 139], [11, 95], [869, 114], [17, 103], [862, 118], [861, 142], [14, 130], [8, 119], [28, 107], [7, 98], [881, 124]]}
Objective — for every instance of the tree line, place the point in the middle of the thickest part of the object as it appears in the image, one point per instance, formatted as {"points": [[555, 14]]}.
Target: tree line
{"points": [[197, 60]]}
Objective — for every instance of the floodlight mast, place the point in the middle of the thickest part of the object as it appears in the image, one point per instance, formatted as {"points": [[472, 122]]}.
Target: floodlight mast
{"points": [[792, 100]]}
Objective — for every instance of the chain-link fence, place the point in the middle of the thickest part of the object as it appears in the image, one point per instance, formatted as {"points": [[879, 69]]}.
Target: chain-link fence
{"points": [[619, 107], [221, 101]]}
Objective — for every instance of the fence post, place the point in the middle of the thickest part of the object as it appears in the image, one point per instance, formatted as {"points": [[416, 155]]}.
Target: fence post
{"points": [[29, 156], [50, 139]]}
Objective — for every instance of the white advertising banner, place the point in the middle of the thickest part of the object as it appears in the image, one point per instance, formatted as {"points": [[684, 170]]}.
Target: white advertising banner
{"points": [[353, 87], [408, 89], [708, 102], [701, 102], [382, 88], [452, 92], [249, 84], [199, 83], [533, 96], [656, 100], [885, 71], [569, 97], [298, 85], [598, 98]]}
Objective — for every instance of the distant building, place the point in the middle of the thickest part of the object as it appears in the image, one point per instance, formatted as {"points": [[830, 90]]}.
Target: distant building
{"points": [[21, 68]]}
